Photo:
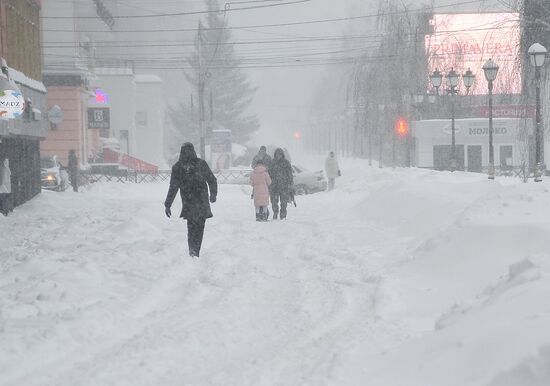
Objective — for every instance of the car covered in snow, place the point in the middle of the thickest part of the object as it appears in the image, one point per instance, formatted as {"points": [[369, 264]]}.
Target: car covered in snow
{"points": [[306, 181], [52, 174]]}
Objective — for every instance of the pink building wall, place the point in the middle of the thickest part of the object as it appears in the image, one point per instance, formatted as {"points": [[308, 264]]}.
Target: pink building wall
{"points": [[73, 132]]}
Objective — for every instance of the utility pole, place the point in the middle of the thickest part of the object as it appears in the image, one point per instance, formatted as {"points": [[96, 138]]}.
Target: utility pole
{"points": [[211, 106], [192, 109], [201, 97]]}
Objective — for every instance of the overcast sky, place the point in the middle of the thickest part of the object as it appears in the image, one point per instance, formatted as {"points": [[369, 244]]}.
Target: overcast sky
{"points": [[283, 94], [283, 97]]}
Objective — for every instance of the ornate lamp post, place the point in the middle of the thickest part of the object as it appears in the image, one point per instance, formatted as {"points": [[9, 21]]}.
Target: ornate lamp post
{"points": [[537, 55], [436, 78], [490, 68], [453, 79], [468, 78]]}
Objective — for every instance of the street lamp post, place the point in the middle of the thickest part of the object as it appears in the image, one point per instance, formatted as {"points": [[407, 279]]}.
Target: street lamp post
{"points": [[381, 119], [453, 78], [468, 78], [490, 68], [436, 78], [537, 56]]}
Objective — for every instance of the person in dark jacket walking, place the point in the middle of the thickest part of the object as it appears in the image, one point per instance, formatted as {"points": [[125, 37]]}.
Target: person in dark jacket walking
{"points": [[282, 183], [72, 168], [263, 157], [193, 178]]}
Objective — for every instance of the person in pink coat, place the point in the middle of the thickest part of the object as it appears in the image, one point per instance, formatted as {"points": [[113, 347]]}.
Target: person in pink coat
{"points": [[260, 181]]}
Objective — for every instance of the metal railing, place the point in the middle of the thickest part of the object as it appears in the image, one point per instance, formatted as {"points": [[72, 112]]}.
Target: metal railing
{"points": [[230, 176], [132, 176], [521, 171]]}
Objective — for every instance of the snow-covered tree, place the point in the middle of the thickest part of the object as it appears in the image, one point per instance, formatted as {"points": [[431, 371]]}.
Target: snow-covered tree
{"points": [[227, 91]]}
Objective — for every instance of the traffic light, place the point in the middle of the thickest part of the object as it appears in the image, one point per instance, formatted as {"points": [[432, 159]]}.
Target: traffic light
{"points": [[401, 127], [297, 135]]}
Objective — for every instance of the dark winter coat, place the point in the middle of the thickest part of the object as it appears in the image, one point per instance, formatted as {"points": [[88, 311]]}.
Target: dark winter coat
{"points": [[263, 157], [193, 178], [280, 171], [72, 164]]}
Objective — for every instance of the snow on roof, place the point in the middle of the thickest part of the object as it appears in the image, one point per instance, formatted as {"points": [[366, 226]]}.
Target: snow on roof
{"points": [[23, 79], [148, 78]]}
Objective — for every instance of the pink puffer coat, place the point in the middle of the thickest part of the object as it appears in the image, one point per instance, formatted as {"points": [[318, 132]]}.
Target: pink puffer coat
{"points": [[260, 181]]}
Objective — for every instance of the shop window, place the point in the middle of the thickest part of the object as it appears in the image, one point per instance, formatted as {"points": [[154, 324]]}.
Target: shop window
{"points": [[442, 157], [506, 159]]}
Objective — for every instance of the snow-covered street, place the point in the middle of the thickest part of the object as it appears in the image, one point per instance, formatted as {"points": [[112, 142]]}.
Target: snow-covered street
{"points": [[398, 277]]}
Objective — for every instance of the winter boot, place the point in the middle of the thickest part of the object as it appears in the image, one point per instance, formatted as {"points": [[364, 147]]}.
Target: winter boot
{"points": [[258, 217], [266, 214]]}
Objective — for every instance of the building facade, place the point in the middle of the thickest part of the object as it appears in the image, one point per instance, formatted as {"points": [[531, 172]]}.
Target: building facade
{"points": [[433, 143], [20, 36], [69, 73], [149, 127]]}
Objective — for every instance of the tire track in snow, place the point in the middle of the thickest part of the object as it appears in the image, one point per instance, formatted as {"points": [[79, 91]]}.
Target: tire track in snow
{"points": [[260, 294]]}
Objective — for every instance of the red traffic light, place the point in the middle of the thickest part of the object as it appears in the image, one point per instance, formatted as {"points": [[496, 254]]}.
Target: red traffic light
{"points": [[401, 127], [297, 135]]}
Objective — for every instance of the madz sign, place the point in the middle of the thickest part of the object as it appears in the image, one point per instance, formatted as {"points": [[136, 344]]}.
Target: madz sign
{"points": [[99, 118], [12, 104]]}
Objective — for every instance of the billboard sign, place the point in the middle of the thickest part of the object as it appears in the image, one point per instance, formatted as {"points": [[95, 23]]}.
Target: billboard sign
{"points": [[467, 41], [509, 111]]}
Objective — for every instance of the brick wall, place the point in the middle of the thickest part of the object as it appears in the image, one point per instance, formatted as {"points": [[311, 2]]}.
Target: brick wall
{"points": [[66, 135]]}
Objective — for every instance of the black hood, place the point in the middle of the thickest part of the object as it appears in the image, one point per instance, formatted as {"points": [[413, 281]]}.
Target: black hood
{"points": [[187, 152], [280, 152]]}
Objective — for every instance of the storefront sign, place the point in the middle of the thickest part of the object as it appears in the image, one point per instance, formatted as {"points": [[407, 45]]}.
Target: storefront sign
{"points": [[55, 115], [485, 131], [12, 104], [101, 97], [99, 118], [509, 111]]}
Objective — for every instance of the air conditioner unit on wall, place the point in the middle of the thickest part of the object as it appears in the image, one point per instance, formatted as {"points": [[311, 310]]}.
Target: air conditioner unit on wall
{"points": [[36, 114]]}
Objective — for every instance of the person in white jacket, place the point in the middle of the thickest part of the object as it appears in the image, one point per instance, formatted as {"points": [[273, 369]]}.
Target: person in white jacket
{"points": [[332, 169], [5, 187]]}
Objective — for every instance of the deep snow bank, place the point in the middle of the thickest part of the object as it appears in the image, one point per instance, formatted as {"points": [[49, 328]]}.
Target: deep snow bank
{"points": [[398, 277]]}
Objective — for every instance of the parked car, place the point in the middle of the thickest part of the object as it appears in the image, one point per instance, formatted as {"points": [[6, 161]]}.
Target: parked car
{"points": [[306, 182], [52, 174]]}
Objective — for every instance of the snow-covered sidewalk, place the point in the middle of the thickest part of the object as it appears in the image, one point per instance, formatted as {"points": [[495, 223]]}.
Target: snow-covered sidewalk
{"points": [[398, 277]]}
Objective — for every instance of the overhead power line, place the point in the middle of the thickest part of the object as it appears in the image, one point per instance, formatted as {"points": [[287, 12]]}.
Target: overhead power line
{"points": [[177, 44], [372, 37], [263, 62], [305, 22], [226, 9]]}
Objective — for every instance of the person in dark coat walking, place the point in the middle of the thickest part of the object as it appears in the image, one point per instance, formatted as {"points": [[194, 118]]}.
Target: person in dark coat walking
{"points": [[72, 168], [193, 178], [263, 157], [282, 183]]}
